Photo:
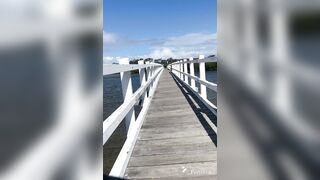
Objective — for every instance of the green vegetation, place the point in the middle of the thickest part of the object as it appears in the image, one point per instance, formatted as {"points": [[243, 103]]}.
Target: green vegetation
{"points": [[210, 66]]}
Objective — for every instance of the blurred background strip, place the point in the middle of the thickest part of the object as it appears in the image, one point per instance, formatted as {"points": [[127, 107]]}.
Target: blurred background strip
{"points": [[269, 89], [51, 89]]}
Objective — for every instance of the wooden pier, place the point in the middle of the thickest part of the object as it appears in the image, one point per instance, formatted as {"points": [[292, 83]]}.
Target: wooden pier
{"points": [[178, 137], [174, 135]]}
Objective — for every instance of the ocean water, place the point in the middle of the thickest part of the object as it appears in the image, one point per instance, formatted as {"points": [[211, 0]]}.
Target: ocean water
{"points": [[112, 92]]}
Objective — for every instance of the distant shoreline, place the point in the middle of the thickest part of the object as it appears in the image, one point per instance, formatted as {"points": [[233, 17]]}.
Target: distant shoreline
{"points": [[210, 66]]}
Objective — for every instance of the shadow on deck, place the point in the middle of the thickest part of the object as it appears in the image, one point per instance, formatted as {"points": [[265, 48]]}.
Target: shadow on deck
{"points": [[199, 108]]}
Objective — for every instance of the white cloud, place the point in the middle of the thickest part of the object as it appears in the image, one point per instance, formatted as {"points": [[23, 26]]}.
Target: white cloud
{"points": [[109, 38], [192, 39], [161, 53], [188, 45], [184, 46]]}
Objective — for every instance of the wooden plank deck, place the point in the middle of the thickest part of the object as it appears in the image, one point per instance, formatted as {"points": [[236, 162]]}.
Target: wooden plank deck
{"points": [[177, 140]]}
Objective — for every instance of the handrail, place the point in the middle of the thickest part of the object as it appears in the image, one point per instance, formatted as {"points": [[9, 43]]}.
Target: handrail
{"points": [[149, 76], [117, 68], [208, 84], [180, 70], [112, 122], [208, 59]]}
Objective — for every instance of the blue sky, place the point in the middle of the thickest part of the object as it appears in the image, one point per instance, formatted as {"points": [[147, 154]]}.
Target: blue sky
{"points": [[159, 28]]}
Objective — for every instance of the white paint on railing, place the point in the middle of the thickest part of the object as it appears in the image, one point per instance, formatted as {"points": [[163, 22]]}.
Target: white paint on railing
{"points": [[149, 76], [112, 122], [127, 92], [181, 70], [186, 79], [202, 71], [193, 82], [121, 163], [117, 68], [181, 74], [142, 76], [207, 59], [208, 84]]}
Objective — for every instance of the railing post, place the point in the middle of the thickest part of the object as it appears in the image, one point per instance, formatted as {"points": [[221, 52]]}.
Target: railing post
{"points": [[151, 72], [185, 70], [148, 77], [181, 70], [127, 93], [142, 73], [282, 81], [202, 69], [193, 82], [178, 68], [173, 66]]}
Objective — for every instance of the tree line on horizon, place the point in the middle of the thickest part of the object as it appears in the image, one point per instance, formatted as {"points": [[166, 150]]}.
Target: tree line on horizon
{"points": [[210, 66]]}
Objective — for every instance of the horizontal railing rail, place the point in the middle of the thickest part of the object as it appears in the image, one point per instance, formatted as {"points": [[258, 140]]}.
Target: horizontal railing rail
{"points": [[180, 70], [208, 59], [208, 84], [117, 68], [112, 122], [149, 76]]}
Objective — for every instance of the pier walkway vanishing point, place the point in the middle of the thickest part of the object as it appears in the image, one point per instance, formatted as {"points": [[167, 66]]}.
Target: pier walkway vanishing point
{"points": [[175, 134]]}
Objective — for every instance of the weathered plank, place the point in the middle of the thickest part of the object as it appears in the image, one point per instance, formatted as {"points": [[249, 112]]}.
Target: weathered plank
{"points": [[166, 159], [175, 141], [202, 148], [173, 171]]}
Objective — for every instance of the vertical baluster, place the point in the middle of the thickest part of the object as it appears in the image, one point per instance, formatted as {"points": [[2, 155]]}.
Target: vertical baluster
{"points": [[173, 67], [182, 69], [179, 68], [282, 82], [148, 77], [193, 82], [127, 93], [186, 78], [176, 68], [153, 83], [151, 75], [142, 73], [202, 69]]}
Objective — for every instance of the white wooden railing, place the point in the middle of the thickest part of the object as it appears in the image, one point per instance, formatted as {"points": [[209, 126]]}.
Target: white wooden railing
{"points": [[149, 77], [180, 70]]}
